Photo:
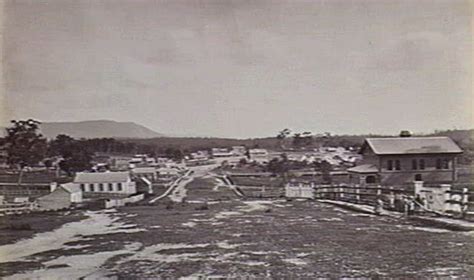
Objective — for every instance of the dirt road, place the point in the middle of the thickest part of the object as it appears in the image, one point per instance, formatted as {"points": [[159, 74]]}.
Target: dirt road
{"points": [[215, 233]]}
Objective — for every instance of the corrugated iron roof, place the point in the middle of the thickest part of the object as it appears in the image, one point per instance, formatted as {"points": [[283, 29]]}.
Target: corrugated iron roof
{"points": [[101, 177], [412, 145]]}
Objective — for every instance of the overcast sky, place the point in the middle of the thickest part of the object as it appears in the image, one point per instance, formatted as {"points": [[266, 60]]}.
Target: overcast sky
{"points": [[241, 68]]}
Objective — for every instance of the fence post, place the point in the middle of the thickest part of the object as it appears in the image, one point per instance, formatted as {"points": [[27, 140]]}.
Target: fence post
{"points": [[357, 190], [464, 200], [448, 205], [341, 192]]}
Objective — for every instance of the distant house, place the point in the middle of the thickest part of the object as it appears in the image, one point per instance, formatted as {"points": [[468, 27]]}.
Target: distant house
{"points": [[221, 152], [401, 160], [164, 171], [238, 150], [105, 182], [258, 155], [149, 173], [61, 197], [142, 160], [119, 162]]}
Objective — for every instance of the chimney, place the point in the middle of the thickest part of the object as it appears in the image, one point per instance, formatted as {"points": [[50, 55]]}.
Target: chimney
{"points": [[405, 133]]}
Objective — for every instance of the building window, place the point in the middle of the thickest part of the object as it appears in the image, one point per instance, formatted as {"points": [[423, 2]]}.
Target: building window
{"points": [[83, 187], [101, 187], [422, 164], [119, 187], [110, 187], [446, 163], [397, 165], [438, 163], [418, 177], [390, 164], [370, 179], [414, 164]]}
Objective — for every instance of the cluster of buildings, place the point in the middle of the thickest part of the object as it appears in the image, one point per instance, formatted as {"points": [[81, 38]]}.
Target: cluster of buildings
{"points": [[138, 176], [393, 161], [336, 156], [120, 163]]}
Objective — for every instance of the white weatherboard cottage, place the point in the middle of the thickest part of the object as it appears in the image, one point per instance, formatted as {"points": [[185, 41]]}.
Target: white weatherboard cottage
{"points": [[105, 182]]}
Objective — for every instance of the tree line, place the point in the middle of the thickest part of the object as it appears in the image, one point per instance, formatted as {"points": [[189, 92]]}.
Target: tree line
{"points": [[27, 147]]}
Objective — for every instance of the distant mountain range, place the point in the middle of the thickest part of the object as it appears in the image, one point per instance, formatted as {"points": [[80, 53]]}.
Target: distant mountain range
{"points": [[97, 129]]}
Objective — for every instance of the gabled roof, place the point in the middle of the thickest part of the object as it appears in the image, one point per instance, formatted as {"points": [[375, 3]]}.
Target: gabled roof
{"points": [[364, 168], [412, 145], [101, 177], [71, 188]]}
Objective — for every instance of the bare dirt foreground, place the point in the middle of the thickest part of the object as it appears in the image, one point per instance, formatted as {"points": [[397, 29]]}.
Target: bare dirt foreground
{"points": [[234, 238]]}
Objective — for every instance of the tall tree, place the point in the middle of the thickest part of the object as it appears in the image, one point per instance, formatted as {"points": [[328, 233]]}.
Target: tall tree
{"points": [[297, 140], [25, 145], [75, 153], [282, 135]]}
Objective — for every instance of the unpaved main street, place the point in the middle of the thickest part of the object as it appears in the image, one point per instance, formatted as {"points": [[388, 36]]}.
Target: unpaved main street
{"points": [[215, 233]]}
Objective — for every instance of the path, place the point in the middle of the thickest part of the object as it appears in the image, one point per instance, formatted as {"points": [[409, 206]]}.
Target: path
{"points": [[240, 238]]}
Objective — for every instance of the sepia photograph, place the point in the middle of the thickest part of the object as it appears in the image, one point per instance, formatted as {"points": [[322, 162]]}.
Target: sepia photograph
{"points": [[236, 139]]}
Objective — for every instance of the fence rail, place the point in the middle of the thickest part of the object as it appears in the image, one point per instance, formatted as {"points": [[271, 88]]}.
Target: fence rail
{"points": [[444, 200]]}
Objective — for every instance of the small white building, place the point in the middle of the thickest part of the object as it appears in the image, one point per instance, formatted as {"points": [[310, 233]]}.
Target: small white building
{"points": [[258, 155], [238, 150], [164, 171], [105, 182], [75, 192], [60, 197], [221, 152]]}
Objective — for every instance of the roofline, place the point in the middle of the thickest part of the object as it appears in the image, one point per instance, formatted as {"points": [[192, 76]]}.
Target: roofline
{"points": [[368, 143], [409, 154], [411, 137], [362, 172]]}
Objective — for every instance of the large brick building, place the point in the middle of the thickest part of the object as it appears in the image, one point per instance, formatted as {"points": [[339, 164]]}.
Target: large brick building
{"points": [[402, 160]]}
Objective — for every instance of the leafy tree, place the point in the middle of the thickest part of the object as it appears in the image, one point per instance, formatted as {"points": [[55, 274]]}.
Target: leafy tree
{"points": [[75, 153], [62, 145], [297, 140], [76, 162], [25, 145], [174, 153], [282, 135], [279, 166], [307, 138]]}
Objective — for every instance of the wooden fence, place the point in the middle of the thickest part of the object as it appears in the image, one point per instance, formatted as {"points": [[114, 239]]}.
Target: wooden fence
{"points": [[123, 201], [450, 200], [17, 208]]}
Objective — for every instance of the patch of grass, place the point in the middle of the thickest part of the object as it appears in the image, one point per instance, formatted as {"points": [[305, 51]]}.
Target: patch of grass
{"points": [[202, 207], [20, 226]]}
